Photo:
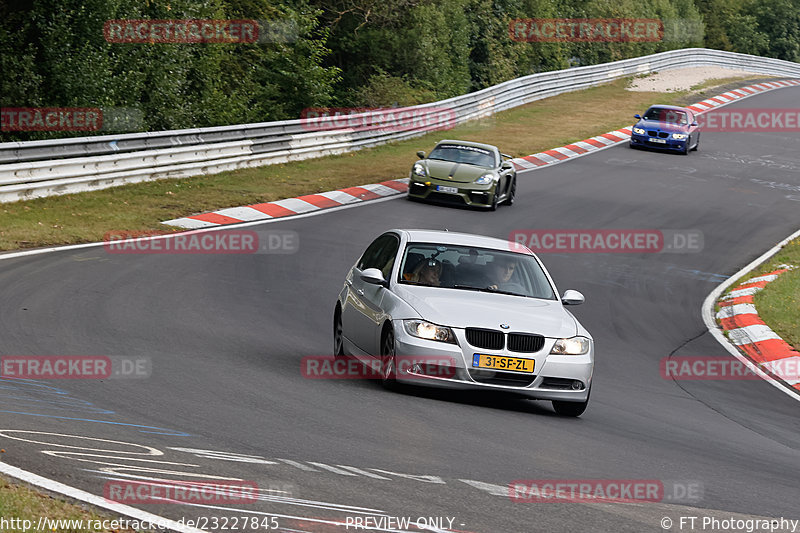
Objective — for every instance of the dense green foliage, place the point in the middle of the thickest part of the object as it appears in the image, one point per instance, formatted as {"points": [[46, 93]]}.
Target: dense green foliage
{"points": [[346, 52]]}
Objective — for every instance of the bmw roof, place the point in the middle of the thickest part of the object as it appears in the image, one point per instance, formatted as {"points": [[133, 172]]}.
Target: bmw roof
{"points": [[461, 239]]}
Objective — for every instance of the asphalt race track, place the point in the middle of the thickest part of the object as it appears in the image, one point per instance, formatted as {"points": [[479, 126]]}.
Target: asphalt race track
{"points": [[226, 333]]}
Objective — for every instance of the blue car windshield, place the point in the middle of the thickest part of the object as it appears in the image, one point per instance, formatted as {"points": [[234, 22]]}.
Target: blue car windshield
{"points": [[670, 116], [459, 153], [476, 269]]}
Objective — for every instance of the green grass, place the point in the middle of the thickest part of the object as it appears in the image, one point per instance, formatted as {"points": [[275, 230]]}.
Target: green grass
{"points": [[538, 126], [23, 503], [778, 303]]}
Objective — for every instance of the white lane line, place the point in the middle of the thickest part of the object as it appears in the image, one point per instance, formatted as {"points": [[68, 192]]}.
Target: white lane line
{"points": [[301, 518], [363, 472], [333, 469], [71, 492], [301, 466]]}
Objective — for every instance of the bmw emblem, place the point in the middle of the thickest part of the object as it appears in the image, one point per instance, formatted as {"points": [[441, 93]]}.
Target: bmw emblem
{"points": [[504, 326]]}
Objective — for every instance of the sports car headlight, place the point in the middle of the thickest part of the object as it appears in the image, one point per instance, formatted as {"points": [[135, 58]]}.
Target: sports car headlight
{"points": [[573, 346], [419, 170], [638, 131], [431, 332], [679, 136], [486, 179]]}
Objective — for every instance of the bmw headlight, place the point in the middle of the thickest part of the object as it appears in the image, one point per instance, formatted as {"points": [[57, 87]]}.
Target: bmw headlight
{"points": [[419, 170], [486, 179], [679, 136], [431, 332], [572, 346], [638, 131]]}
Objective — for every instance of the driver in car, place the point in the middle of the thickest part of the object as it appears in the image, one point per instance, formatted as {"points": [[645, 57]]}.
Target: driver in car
{"points": [[427, 273], [502, 269]]}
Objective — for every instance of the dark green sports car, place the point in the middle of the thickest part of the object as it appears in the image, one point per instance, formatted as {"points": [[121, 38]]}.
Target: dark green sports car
{"points": [[465, 173]]}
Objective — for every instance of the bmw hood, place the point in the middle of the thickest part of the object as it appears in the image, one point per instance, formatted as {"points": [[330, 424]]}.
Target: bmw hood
{"points": [[464, 308], [662, 126], [456, 172]]}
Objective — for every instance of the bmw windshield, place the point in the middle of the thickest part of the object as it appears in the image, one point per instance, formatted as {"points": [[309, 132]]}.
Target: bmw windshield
{"points": [[670, 116], [476, 269]]}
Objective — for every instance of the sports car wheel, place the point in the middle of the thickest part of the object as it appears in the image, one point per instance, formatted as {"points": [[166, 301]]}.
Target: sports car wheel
{"points": [[686, 149], [493, 205], [571, 408], [338, 343], [511, 192], [388, 361]]}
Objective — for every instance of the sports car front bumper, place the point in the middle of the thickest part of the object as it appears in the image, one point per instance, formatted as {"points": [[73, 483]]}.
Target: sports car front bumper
{"points": [[446, 191]]}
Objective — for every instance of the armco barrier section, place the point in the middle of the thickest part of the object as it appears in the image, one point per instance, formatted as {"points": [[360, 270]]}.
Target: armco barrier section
{"points": [[43, 168]]}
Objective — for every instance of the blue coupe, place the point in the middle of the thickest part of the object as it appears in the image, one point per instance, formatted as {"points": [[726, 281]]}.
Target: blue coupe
{"points": [[667, 127]]}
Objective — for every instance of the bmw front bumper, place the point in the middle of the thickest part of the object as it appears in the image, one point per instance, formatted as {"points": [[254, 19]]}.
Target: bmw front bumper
{"points": [[555, 377], [668, 144]]}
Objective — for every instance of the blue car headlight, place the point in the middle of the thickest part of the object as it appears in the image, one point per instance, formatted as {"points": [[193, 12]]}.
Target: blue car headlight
{"points": [[486, 179], [419, 170], [638, 131], [679, 136]]}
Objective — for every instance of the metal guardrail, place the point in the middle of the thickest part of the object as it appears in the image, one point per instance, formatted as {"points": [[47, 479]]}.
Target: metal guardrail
{"points": [[43, 168]]}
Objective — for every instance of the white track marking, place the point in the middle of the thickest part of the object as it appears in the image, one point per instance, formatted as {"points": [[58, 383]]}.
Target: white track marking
{"points": [[97, 501]]}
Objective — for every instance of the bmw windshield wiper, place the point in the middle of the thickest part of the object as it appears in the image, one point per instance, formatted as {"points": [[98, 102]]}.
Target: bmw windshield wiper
{"points": [[486, 289]]}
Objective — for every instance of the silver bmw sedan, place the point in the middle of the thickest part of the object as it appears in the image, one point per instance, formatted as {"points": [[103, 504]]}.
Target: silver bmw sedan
{"points": [[445, 309]]}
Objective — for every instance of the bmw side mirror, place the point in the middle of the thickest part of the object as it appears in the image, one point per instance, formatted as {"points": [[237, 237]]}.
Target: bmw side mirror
{"points": [[374, 276], [637, 116], [572, 297], [421, 154], [694, 124]]}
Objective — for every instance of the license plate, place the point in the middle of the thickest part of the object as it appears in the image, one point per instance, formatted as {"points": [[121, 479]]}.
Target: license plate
{"points": [[654, 140], [444, 188], [496, 362]]}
